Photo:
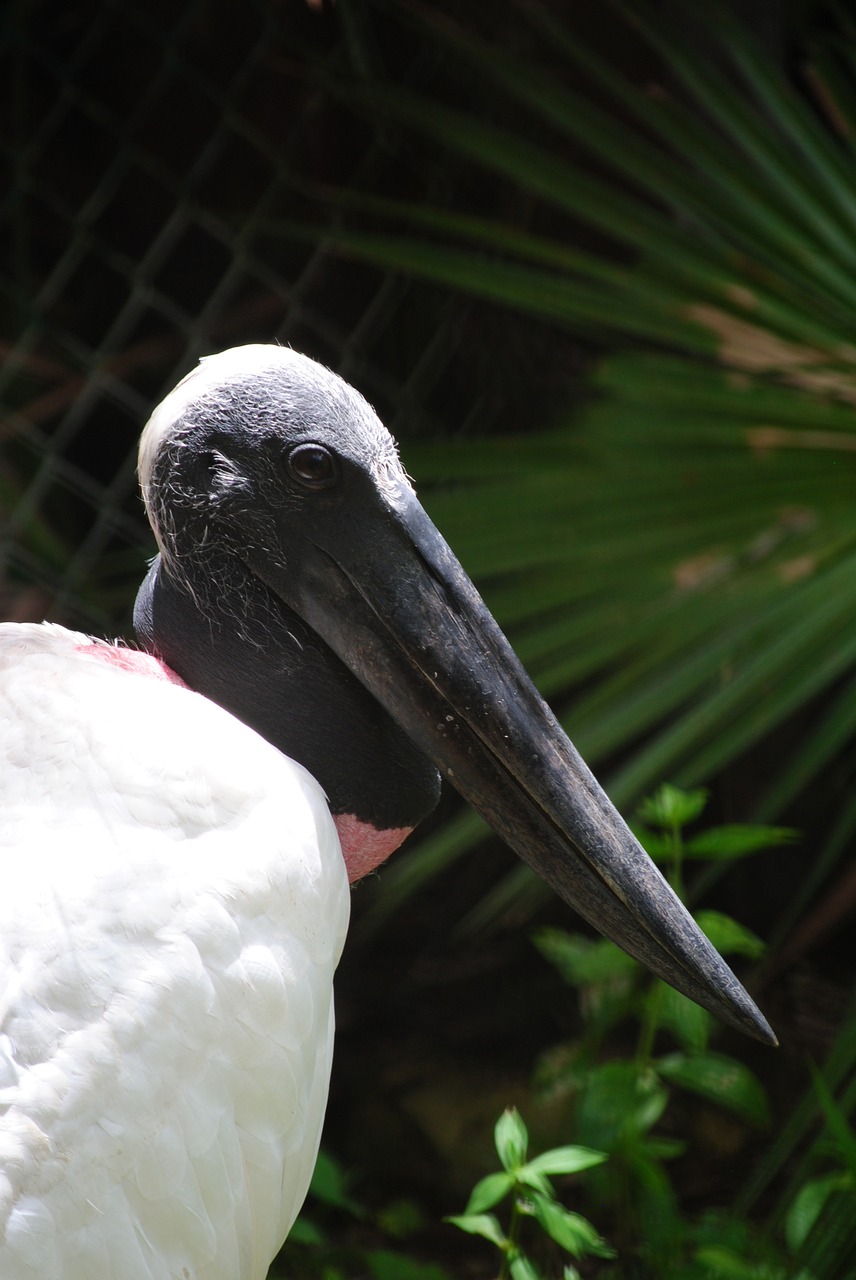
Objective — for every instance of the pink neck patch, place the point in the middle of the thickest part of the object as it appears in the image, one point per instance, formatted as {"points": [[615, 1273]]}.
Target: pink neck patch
{"points": [[364, 847], [141, 664]]}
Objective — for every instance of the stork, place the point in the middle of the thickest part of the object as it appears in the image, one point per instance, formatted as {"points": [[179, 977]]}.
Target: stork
{"points": [[180, 823]]}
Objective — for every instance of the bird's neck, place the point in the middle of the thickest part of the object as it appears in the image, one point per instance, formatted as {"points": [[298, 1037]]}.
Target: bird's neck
{"points": [[259, 660]]}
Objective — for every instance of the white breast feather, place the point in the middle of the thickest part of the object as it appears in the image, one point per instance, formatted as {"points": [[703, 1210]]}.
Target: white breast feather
{"points": [[172, 909]]}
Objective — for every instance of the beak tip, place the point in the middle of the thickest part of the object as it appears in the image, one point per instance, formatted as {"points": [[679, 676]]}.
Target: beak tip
{"points": [[759, 1028], [737, 1007]]}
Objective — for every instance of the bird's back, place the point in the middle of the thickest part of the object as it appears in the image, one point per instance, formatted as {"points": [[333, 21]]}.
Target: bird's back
{"points": [[173, 905]]}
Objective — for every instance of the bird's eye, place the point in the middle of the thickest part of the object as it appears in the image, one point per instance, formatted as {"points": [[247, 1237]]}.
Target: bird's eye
{"points": [[313, 465]]}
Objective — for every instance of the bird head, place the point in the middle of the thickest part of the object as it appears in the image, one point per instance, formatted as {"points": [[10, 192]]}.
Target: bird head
{"points": [[301, 584]]}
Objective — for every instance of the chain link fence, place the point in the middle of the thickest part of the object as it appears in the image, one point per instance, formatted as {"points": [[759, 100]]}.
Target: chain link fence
{"points": [[150, 150]]}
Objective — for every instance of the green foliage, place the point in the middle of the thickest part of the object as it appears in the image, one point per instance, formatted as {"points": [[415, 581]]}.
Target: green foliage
{"points": [[677, 562], [672, 809], [323, 1246], [630, 1107], [329, 1186], [625, 1106], [533, 1197], [384, 1264], [620, 1105], [721, 1080]]}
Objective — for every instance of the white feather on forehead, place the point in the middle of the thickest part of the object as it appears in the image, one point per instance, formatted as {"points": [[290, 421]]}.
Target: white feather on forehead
{"points": [[233, 365], [251, 363]]}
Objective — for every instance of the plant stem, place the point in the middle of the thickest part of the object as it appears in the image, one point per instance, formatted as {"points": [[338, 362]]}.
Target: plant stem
{"points": [[675, 877], [648, 1029], [513, 1232]]}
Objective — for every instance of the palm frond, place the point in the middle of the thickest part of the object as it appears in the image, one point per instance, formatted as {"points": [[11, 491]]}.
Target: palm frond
{"points": [[677, 562]]}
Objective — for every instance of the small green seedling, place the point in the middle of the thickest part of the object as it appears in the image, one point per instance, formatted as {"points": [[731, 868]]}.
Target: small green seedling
{"points": [[533, 1197], [619, 1102]]}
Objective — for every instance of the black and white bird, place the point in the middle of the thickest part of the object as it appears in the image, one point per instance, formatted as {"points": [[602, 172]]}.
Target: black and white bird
{"points": [[179, 826]]}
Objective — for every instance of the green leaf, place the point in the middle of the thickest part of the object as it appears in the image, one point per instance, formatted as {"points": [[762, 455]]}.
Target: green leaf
{"points": [[655, 1199], [384, 1264], [737, 841], [729, 937], [330, 1185], [670, 807], [585, 961], [489, 1191], [836, 1121], [480, 1224], [520, 1267], [809, 1203], [618, 1104], [722, 1263], [659, 848], [566, 1160], [688, 1022], [664, 1148], [511, 1139], [531, 1179], [721, 1079], [569, 1230], [305, 1232]]}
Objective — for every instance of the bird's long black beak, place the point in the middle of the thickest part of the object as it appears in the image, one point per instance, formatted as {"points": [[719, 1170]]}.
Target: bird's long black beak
{"points": [[400, 612]]}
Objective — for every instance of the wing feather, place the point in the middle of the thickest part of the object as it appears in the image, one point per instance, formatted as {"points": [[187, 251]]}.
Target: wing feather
{"points": [[174, 906]]}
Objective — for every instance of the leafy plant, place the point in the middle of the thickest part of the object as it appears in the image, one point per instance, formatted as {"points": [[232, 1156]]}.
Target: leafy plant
{"points": [[620, 1104], [533, 1198], [630, 1106]]}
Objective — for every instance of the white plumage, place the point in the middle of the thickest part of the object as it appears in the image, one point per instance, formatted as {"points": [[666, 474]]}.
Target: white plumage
{"points": [[172, 910]]}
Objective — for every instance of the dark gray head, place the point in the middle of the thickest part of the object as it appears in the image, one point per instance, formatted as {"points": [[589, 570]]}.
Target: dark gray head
{"points": [[248, 424]]}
